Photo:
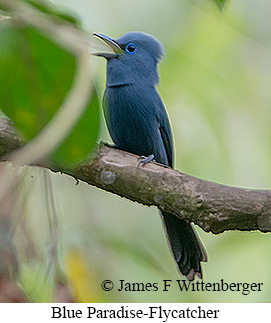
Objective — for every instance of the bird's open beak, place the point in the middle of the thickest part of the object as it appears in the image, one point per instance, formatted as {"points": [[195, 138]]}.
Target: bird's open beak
{"points": [[111, 43]]}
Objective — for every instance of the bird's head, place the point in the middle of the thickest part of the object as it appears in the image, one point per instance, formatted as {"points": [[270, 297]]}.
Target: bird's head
{"points": [[133, 60]]}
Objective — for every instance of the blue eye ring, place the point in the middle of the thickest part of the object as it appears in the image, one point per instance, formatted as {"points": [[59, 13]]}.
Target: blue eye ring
{"points": [[130, 48]]}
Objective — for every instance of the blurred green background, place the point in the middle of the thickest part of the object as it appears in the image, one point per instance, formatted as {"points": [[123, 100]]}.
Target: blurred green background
{"points": [[215, 82]]}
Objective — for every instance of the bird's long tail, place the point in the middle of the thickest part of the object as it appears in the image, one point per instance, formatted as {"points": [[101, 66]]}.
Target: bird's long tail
{"points": [[186, 247]]}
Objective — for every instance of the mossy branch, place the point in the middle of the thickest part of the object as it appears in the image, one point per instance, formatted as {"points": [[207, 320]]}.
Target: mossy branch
{"points": [[213, 207]]}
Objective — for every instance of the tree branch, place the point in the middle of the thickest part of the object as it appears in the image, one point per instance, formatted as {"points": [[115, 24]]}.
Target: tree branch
{"points": [[211, 206]]}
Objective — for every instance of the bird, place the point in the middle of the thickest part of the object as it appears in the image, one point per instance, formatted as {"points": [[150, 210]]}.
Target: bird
{"points": [[138, 123]]}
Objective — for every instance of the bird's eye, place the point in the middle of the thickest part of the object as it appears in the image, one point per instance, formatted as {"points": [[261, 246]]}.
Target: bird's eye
{"points": [[130, 48]]}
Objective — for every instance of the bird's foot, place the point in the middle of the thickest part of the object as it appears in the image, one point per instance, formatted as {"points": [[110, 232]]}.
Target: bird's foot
{"points": [[145, 159]]}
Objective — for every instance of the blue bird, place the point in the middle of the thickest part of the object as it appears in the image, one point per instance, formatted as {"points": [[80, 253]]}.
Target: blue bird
{"points": [[138, 123]]}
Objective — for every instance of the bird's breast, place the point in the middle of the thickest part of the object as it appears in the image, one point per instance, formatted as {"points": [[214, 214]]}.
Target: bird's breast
{"points": [[130, 118]]}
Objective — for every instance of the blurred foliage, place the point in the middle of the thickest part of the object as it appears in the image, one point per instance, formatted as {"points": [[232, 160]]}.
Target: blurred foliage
{"points": [[82, 139], [82, 278], [36, 75], [53, 11], [37, 282], [215, 82], [220, 3]]}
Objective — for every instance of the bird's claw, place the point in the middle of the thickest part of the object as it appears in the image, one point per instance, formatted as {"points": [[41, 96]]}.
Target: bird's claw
{"points": [[145, 159]]}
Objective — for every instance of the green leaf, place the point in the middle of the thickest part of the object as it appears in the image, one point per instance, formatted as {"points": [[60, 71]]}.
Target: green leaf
{"points": [[82, 139], [35, 78], [220, 3], [52, 10]]}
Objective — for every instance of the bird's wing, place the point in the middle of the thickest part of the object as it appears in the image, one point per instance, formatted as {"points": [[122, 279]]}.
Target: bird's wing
{"points": [[167, 140], [165, 131]]}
